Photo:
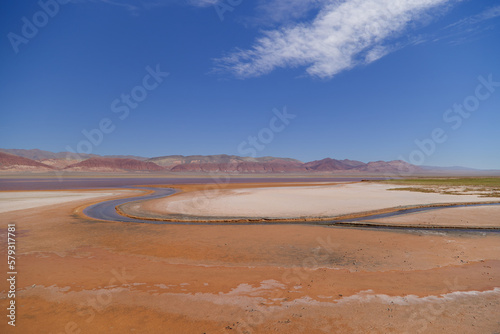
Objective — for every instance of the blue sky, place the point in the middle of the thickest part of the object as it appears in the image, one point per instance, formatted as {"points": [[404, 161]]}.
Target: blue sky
{"points": [[365, 79]]}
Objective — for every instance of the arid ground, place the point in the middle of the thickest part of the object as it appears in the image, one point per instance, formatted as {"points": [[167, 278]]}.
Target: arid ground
{"points": [[79, 275]]}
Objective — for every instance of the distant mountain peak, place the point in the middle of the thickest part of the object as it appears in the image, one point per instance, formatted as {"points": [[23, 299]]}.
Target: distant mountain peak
{"points": [[35, 159]]}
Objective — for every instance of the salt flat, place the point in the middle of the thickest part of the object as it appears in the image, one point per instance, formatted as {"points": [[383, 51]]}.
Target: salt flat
{"points": [[20, 200], [296, 201]]}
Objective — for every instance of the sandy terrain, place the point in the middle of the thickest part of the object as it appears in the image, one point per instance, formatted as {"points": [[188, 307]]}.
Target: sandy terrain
{"points": [[14, 200], [80, 276], [482, 216], [329, 200]]}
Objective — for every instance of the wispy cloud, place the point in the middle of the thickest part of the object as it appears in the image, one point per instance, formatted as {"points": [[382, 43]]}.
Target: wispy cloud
{"points": [[273, 11], [342, 35], [467, 29], [131, 6], [376, 53], [136, 6], [487, 14], [203, 3]]}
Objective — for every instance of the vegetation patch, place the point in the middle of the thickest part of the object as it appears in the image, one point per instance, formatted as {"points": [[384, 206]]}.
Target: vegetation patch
{"points": [[481, 186]]}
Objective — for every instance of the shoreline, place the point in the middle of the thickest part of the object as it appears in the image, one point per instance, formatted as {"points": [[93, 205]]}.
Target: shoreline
{"points": [[336, 220], [140, 210]]}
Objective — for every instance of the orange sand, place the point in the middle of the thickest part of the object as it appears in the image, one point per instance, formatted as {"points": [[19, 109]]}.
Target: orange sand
{"points": [[82, 276]]}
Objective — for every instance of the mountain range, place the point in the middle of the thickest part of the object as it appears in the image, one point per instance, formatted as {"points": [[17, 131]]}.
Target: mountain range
{"points": [[19, 160]]}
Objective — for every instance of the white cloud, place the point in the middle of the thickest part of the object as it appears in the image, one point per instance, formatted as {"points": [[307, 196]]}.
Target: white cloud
{"points": [[376, 53], [135, 6], [469, 28], [282, 10], [128, 6], [487, 14], [203, 3], [490, 13], [342, 35]]}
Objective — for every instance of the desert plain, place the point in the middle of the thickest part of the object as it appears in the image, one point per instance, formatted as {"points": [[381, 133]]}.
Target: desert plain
{"points": [[289, 268]]}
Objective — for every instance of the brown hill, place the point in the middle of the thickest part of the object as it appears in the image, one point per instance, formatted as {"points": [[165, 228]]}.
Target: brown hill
{"points": [[113, 165], [395, 166], [174, 160], [272, 166], [15, 163], [328, 164], [376, 167]]}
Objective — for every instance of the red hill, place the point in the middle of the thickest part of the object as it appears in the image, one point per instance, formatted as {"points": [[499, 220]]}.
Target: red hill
{"points": [[16, 163]]}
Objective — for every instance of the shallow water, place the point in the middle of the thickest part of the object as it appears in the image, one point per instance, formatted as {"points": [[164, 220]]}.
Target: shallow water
{"points": [[106, 211], [92, 183]]}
